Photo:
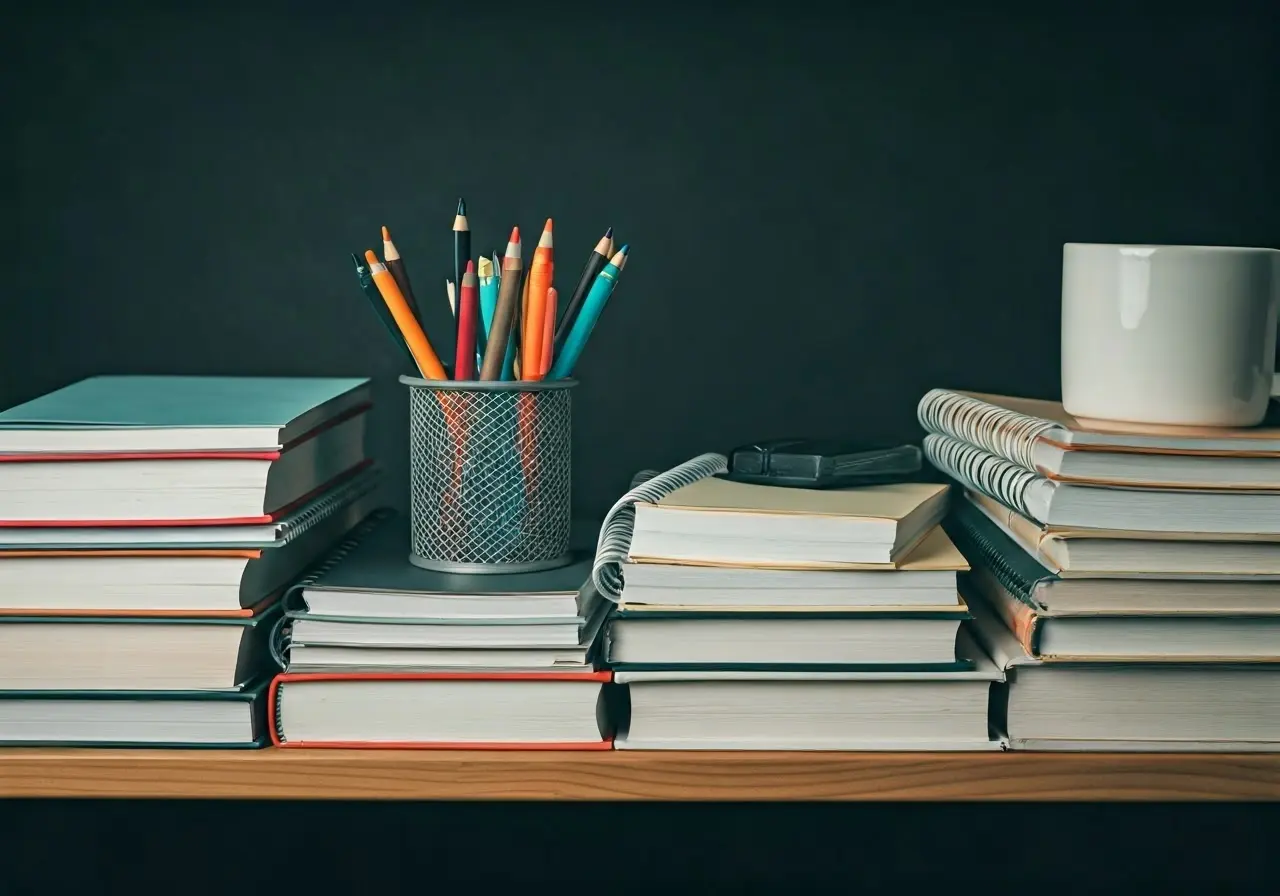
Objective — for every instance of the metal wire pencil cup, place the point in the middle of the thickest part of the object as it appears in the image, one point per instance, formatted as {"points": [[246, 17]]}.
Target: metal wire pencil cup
{"points": [[489, 475]]}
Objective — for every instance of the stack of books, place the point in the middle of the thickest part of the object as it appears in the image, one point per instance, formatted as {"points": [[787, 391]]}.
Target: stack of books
{"points": [[758, 617], [382, 653], [148, 527], [1128, 577]]}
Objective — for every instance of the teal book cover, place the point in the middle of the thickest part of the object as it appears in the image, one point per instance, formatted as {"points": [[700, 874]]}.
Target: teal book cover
{"points": [[204, 402]]}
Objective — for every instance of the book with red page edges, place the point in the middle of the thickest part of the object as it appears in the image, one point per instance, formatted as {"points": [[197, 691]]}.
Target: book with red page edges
{"points": [[272, 517], [443, 710]]}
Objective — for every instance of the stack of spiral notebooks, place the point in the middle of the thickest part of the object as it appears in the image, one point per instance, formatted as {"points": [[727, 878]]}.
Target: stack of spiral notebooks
{"points": [[1127, 578], [150, 526]]}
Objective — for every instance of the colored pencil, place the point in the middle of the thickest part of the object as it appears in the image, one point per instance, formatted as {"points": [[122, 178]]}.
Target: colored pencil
{"points": [[503, 316], [395, 264], [596, 261], [464, 365], [541, 274], [370, 290], [596, 299], [424, 356], [461, 246], [549, 322]]}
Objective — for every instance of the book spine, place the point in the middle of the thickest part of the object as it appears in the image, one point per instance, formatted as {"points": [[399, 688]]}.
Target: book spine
{"points": [[1017, 615], [1000, 431], [620, 522], [984, 472]]}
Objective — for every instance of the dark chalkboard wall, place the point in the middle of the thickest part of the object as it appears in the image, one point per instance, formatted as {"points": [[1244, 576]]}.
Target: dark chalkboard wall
{"points": [[828, 214]]}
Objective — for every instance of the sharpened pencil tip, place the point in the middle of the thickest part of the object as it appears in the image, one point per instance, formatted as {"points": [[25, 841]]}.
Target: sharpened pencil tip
{"points": [[471, 266], [386, 234], [547, 227], [371, 257], [355, 259], [626, 247], [462, 206], [515, 235], [608, 234]]}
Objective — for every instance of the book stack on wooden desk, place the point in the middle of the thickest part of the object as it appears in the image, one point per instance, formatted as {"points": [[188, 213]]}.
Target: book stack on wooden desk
{"points": [[756, 617], [149, 526], [1128, 578], [382, 653]]}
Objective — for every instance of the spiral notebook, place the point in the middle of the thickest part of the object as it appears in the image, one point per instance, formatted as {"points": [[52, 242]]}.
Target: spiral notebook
{"points": [[1136, 510], [1013, 428]]}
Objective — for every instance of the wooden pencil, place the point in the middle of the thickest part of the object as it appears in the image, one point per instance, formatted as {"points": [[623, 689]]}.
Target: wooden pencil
{"points": [[461, 248], [541, 273], [504, 314], [596, 261], [395, 264]]}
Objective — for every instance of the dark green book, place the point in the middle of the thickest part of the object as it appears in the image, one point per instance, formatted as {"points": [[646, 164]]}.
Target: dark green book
{"points": [[189, 719]]}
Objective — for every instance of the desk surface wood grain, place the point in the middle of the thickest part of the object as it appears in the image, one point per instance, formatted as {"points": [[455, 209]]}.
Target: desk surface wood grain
{"points": [[467, 775]]}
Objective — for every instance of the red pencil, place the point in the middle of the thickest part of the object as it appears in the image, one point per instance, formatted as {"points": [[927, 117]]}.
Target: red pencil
{"points": [[464, 362]]}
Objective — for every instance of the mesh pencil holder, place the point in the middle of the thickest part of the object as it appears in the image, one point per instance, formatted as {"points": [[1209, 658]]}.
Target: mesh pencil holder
{"points": [[489, 473]]}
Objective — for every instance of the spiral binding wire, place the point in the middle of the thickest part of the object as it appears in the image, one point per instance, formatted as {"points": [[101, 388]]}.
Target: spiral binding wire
{"points": [[620, 522], [314, 514], [994, 476], [1007, 434], [981, 550], [279, 640]]}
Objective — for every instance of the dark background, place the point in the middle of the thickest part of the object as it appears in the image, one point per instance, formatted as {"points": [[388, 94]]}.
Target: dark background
{"points": [[829, 213]]}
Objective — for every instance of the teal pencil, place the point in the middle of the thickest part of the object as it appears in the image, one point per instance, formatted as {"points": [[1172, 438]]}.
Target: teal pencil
{"points": [[370, 290], [597, 298], [489, 284]]}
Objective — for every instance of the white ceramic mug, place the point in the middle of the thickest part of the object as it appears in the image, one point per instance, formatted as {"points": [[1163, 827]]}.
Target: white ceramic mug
{"points": [[1176, 335]]}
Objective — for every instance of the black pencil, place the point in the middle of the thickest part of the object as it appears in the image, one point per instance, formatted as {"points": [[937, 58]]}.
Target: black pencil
{"points": [[370, 290], [461, 249], [596, 261]]}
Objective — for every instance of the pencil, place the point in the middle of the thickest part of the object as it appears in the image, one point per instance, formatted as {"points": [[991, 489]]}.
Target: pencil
{"points": [[461, 246], [596, 299], [464, 365], [541, 272], [488, 284], [549, 323], [395, 264], [452, 296], [596, 261], [504, 313], [365, 277], [424, 355]]}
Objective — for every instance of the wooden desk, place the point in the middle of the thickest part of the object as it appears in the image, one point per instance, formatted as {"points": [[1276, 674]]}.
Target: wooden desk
{"points": [[440, 775]]}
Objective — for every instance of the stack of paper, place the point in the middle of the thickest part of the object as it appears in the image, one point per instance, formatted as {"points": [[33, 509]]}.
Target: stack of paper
{"points": [[758, 617], [148, 526]]}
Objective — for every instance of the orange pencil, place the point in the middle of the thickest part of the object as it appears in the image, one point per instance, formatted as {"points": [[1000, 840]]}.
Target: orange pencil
{"points": [[423, 354], [541, 272], [548, 332]]}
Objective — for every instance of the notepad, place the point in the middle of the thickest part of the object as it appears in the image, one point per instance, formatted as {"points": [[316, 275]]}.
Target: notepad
{"points": [[717, 521]]}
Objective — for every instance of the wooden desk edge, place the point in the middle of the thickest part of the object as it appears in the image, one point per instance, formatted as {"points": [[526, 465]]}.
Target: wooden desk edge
{"points": [[625, 775]]}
